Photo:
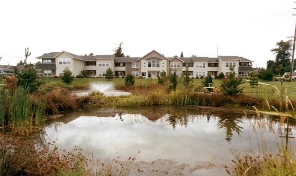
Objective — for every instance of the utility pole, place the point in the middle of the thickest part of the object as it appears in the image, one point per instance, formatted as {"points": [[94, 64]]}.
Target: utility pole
{"points": [[293, 52]]}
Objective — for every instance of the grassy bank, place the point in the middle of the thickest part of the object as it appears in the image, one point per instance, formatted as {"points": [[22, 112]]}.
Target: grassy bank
{"points": [[264, 90]]}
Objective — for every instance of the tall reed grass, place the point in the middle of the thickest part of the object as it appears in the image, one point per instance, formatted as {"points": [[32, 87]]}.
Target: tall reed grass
{"points": [[19, 113], [3, 103], [265, 160]]}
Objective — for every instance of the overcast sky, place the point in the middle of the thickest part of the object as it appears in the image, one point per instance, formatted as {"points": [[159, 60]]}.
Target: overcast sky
{"points": [[247, 28]]}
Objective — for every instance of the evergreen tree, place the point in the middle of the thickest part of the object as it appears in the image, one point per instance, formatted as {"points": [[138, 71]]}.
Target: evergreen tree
{"points": [[118, 51], [187, 81], [208, 81], [221, 75], [174, 81], [28, 79], [230, 84], [109, 74], [129, 80], [181, 55], [67, 76], [253, 80]]}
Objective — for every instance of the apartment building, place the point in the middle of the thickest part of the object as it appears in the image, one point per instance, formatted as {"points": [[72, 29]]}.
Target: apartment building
{"points": [[149, 66]]}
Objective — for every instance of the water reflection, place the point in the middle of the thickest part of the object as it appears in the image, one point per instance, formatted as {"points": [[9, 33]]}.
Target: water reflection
{"points": [[230, 124], [185, 135]]}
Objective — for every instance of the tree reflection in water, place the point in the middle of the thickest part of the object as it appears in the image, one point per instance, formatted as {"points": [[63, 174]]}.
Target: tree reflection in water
{"points": [[177, 117], [230, 124]]}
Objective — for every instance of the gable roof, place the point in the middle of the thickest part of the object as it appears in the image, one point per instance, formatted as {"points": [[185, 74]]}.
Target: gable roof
{"points": [[53, 55], [70, 54], [176, 57], [156, 53]]}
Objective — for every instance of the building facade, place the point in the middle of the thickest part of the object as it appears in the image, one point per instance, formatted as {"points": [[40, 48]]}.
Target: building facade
{"points": [[149, 66]]}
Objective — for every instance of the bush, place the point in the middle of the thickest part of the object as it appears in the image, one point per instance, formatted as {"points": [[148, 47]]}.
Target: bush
{"points": [[129, 80], [67, 76], [28, 79], [109, 74]]}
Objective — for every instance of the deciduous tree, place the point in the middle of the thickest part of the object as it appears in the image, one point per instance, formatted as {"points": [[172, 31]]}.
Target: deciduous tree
{"points": [[281, 63]]}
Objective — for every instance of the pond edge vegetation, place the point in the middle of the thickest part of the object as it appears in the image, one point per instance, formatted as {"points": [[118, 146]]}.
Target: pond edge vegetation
{"points": [[26, 102]]}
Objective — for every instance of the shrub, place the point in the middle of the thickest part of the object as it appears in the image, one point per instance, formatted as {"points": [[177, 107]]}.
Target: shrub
{"points": [[28, 79], [129, 80], [67, 76], [109, 74], [230, 85]]}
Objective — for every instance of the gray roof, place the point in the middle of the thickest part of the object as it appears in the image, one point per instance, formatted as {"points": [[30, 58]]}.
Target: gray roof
{"points": [[126, 59], [74, 55], [103, 56], [54, 54], [200, 59], [186, 59], [241, 59], [48, 55], [88, 58], [81, 57]]}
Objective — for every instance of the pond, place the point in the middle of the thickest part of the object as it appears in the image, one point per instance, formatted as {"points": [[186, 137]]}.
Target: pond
{"points": [[178, 141]]}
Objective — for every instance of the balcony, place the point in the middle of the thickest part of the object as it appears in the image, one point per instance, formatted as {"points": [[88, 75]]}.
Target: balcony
{"points": [[46, 66]]}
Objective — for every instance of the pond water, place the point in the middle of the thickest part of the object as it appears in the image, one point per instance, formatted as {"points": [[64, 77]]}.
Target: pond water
{"points": [[183, 141]]}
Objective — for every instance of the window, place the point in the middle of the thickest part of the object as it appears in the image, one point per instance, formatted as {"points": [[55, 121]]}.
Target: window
{"points": [[175, 65], [47, 72], [230, 64], [64, 61], [153, 63], [46, 61], [90, 63], [103, 63], [144, 74], [119, 64], [135, 73], [188, 64], [200, 74], [135, 65], [200, 65]]}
